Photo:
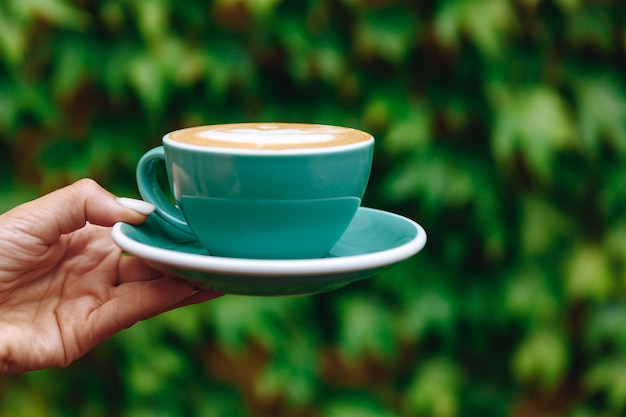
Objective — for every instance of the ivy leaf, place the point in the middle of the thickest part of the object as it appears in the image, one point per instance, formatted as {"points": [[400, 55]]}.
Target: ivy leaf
{"points": [[589, 25], [528, 296], [542, 358], [356, 405], [601, 112], [411, 132], [388, 33], [607, 327], [291, 374], [364, 328], [485, 22], [57, 12], [146, 75], [588, 275], [542, 226], [152, 19], [13, 39], [430, 309], [609, 375], [434, 390], [534, 122]]}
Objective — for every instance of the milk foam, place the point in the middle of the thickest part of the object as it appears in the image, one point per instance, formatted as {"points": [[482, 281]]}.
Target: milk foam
{"points": [[270, 136]]}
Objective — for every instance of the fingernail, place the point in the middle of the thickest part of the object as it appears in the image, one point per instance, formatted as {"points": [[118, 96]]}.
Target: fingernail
{"points": [[140, 206]]}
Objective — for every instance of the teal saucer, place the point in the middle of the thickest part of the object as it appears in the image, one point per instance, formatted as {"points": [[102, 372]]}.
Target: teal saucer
{"points": [[374, 241]]}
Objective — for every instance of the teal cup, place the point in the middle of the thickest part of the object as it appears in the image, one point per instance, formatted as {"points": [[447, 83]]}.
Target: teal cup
{"points": [[260, 190]]}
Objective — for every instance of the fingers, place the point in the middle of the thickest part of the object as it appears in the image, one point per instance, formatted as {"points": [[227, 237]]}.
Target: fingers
{"points": [[131, 268], [141, 300], [68, 209], [199, 296]]}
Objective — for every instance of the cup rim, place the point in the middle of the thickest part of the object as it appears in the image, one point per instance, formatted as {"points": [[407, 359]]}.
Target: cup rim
{"points": [[267, 152]]}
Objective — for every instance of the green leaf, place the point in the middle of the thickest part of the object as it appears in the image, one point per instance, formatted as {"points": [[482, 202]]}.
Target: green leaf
{"points": [[431, 309], [534, 123], [292, 374], [589, 26], [607, 328], [146, 75], [435, 178], [411, 132], [227, 64], [601, 112], [152, 18], [356, 405], [609, 376], [434, 390], [258, 7], [485, 22], [543, 227], [542, 358], [57, 12], [588, 274], [388, 33], [528, 296], [364, 328], [13, 38]]}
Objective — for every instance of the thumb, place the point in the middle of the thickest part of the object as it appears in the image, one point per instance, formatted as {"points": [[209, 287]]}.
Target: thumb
{"points": [[70, 208]]}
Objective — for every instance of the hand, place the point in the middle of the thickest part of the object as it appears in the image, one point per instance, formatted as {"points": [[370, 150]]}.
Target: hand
{"points": [[65, 286]]}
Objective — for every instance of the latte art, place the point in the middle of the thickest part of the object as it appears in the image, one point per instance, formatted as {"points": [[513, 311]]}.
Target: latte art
{"points": [[270, 136]]}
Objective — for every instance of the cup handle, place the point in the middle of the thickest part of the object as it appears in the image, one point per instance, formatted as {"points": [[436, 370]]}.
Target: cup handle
{"points": [[151, 191]]}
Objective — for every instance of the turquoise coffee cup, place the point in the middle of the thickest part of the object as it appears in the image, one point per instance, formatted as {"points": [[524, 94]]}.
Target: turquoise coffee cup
{"points": [[260, 190]]}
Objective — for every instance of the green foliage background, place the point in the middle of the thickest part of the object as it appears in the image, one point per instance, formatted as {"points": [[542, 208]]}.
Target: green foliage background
{"points": [[500, 126]]}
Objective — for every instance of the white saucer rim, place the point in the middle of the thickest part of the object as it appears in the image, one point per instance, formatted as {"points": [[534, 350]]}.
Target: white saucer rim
{"points": [[281, 267]]}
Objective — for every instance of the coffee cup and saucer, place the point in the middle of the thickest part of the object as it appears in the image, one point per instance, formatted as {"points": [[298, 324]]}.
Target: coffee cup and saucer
{"points": [[266, 209]]}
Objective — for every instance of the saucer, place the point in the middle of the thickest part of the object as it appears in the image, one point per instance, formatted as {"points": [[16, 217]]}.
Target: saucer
{"points": [[374, 241]]}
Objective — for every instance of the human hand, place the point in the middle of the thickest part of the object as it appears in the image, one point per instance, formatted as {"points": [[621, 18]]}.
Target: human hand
{"points": [[65, 286]]}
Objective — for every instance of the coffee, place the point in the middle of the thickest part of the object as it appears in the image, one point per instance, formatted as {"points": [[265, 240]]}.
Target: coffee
{"points": [[270, 136]]}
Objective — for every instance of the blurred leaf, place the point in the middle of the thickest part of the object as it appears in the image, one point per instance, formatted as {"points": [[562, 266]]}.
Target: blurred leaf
{"points": [[292, 374], [72, 67], [57, 12], [227, 64], [146, 75], [485, 22], [257, 7], [535, 123], [528, 296], [589, 25], [411, 132], [13, 38], [239, 320], [602, 113], [607, 328], [388, 33], [185, 323], [569, 5], [152, 19], [364, 328], [542, 358], [434, 390], [362, 406], [609, 376], [542, 227], [430, 309], [587, 274]]}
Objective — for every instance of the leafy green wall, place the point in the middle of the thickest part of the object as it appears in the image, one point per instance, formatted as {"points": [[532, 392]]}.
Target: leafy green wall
{"points": [[500, 126]]}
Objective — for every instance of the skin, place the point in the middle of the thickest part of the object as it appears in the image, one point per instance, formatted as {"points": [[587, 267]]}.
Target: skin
{"points": [[65, 286]]}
